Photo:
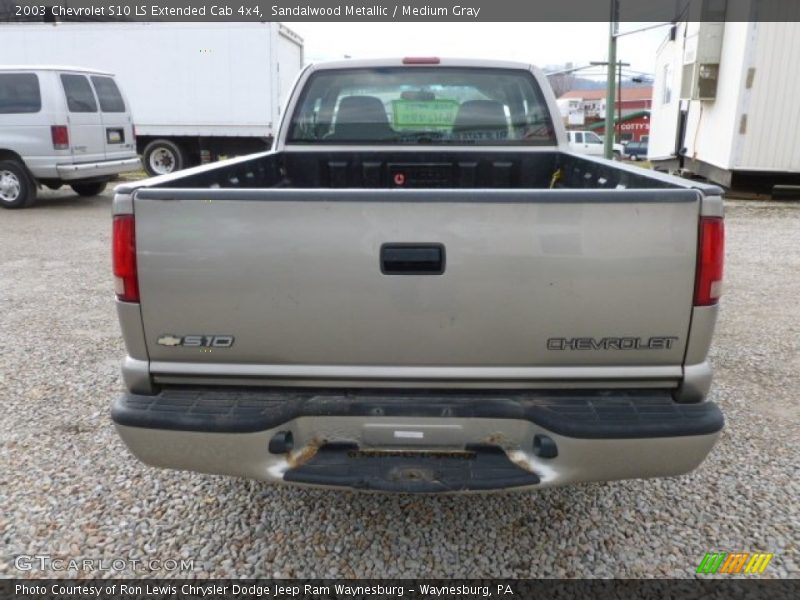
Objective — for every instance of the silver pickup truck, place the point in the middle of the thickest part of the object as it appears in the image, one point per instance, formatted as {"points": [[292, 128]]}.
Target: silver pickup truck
{"points": [[419, 289]]}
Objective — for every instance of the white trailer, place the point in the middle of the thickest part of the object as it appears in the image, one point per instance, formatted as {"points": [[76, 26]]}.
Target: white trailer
{"points": [[725, 103], [197, 90]]}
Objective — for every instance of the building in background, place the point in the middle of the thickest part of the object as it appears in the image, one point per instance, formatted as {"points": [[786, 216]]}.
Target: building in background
{"points": [[633, 127], [593, 102], [725, 103], [572, 112]]}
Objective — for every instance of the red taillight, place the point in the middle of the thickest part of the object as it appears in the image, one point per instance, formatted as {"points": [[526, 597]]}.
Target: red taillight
{"points": [[60, 135], [421, 60], [710, 256], [126, 282]]}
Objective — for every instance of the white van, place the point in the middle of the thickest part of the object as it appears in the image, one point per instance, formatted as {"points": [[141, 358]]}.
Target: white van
{"points": [[61, 125]]}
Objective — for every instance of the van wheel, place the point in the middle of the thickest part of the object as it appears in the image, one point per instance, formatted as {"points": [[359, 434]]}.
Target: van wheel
{"points": [[16, 187], [617, 155], [93, 188], [163, 156]]}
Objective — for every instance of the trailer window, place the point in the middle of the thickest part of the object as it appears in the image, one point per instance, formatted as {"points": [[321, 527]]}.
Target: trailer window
{"points": [[19, 93], [108, 94], [80, 98], [420, 105]]}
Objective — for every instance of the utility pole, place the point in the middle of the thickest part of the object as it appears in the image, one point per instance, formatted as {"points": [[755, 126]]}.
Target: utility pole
{"points": [[613, 34], [613, 25], [612, 75], [619, 97]]}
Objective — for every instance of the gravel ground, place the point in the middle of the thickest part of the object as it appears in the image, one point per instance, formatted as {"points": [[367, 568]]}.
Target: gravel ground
{"points": [[69, 488]]}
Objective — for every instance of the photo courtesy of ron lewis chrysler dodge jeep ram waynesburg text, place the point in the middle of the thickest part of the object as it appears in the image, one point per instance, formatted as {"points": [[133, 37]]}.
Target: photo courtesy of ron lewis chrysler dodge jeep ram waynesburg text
{"points": [[419, 289]]}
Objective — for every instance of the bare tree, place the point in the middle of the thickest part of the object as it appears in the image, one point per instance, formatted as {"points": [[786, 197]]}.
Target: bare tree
{"points": [[562, 79], [561, 83]]}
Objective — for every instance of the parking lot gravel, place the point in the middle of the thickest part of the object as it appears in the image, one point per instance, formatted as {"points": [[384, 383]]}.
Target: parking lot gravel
{"points": [[70, 489]]}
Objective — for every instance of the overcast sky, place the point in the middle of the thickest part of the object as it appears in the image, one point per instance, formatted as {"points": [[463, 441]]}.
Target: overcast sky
{"points": [[539, 43]]}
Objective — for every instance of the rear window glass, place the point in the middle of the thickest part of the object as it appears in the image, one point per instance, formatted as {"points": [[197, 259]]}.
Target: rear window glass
{"points": [[19, 93], [108, 94], [421, 105], [79, 93]]}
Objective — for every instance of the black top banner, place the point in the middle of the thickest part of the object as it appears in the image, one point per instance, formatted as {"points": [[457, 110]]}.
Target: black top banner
{"points": [[400, 11]]}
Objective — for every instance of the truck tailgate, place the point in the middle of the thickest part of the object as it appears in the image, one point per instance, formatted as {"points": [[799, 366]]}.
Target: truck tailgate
{"points": [[530, 278]]}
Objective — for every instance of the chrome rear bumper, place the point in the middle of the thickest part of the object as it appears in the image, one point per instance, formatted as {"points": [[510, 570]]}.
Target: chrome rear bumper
{"points": [[97, 169]]}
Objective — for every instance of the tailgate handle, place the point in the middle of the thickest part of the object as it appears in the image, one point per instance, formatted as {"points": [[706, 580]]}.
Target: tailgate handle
{"points": [[412, 259]]}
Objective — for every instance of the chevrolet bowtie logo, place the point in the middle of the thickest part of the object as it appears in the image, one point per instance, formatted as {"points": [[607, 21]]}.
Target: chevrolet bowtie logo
{"points": [[169, 340]]}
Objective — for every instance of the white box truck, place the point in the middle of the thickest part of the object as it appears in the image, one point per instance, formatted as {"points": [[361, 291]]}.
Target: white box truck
{"points": [[197, 90]]}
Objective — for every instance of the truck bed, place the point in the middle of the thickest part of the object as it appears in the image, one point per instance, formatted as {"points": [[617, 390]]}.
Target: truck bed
{"points": [[286, 254], [419, 169]]}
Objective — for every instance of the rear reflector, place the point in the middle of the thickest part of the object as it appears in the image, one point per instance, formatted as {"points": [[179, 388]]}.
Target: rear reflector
{"points": [[60, 135], [421, 60], [710, 256], [123, 242]]}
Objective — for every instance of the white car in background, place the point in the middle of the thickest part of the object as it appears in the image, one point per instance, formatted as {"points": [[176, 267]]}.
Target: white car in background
{"points": [[61, 125], [588, 142]]}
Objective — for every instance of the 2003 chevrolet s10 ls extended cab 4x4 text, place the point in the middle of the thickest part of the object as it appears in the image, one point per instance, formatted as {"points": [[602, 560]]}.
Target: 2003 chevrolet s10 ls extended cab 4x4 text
{"points": [[419, 289]]}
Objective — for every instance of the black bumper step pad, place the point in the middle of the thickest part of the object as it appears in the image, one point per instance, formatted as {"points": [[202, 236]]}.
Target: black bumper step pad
{"points": [[480, 467], [586, 414]]}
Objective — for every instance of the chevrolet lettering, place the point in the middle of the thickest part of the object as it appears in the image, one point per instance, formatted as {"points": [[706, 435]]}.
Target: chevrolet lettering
{"points": [[611, 343]]}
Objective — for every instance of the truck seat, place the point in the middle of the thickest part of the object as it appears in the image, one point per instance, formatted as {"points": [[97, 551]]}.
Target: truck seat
{"points": [[361, 118], [481, 118]]}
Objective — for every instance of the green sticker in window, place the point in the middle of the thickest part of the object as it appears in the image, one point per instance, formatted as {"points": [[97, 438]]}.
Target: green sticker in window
{"points": [[424, 114]]}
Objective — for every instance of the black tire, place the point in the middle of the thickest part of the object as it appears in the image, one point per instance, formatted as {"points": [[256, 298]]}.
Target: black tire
{"points": [[617, 155], [92, 188], [163, 156], [16, 186]]}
